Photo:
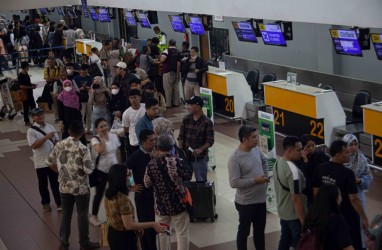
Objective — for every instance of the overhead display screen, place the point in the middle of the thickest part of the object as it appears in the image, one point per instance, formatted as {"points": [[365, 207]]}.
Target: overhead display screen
{"points": [[130, 19], [196, 25], [103, 15], [43, 11], [377, 42], [93, 14], [60, 11], [244, 31], [346, 42], [177, 24], [145, 23], [272, 34]]}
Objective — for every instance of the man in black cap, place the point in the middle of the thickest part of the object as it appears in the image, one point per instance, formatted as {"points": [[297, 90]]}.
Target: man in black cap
{"points": [[196, 135], [41, 139]]}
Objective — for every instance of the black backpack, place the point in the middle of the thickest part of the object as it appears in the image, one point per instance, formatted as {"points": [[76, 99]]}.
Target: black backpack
{"points": [[173, 57]]}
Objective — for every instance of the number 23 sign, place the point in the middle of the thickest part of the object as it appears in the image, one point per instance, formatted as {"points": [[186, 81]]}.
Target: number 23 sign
{"points": [[290, 123]]}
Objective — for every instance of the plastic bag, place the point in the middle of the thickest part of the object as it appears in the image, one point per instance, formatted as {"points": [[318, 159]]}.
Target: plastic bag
{"points": [[117, 128]]}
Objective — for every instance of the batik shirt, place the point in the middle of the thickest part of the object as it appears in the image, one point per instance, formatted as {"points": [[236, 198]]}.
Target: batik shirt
{"points": [[74, 164]]}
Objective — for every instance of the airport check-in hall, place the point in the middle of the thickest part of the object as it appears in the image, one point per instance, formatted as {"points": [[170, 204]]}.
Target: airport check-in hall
{"points": [[190, 125]]}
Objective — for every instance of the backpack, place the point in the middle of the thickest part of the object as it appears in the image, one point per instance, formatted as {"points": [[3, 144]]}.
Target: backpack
{"points": [[173, 59], [308, 241]]}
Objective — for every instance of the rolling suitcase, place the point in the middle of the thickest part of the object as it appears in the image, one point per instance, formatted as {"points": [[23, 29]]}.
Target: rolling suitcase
{"points": [[203, 200]]}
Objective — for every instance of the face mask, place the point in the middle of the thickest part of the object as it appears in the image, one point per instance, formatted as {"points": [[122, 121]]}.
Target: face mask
{"points": [[69, 71], [96, 86], [68, 89], [115, 91]]}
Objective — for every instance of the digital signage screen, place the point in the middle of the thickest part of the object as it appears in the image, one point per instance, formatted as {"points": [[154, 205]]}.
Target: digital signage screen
{"points": [[145, 23], [244, 31], [177, 23], [272, 34], [103, 15], [377, 42], [346, 42], [43, 11], [130, 19], [93, 14], [60, 11], [196, 25]]}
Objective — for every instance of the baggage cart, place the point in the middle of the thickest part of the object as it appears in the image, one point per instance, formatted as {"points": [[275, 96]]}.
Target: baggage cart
{"points": [[11, 102]]}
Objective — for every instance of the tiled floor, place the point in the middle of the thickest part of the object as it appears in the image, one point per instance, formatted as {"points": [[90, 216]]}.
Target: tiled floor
{"points": [[23, 225]]}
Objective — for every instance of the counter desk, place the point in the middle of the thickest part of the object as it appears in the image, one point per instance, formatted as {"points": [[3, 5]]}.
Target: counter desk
{"points": [[302, 109], [372, 124], [230, 92], [84, 46]]}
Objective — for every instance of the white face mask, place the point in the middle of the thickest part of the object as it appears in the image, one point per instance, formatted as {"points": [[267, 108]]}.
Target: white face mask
{"points": [[115, 91], [69, 71], [68, 89]]}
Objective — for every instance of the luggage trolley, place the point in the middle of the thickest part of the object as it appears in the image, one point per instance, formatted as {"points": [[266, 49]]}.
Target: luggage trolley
{"points": [[10, 101]]}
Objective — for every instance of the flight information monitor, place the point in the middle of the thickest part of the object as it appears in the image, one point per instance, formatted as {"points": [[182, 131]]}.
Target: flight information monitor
{"points": [[377, 42], [130, 19], [346, 42], [60, 11], [196, 25], [272, 34], [177, 23], [43, 11], [145, 23], [244, 31], [93, 14], [103, 15]]}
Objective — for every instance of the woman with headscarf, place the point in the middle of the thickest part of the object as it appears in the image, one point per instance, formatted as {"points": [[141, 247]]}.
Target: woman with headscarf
{"points": [[359, 164], [98, 98], [69, 108]]}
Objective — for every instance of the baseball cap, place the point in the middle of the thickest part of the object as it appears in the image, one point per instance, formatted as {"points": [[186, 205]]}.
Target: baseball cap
{"points": [[37, 111], [121, 65], [196, 100]]}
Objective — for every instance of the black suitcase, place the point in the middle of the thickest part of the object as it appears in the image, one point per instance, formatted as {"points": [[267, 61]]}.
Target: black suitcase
{"points": [[203, 200]]}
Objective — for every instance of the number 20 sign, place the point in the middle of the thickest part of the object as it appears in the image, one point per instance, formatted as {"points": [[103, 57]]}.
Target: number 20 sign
{"points": [[377, 150]]}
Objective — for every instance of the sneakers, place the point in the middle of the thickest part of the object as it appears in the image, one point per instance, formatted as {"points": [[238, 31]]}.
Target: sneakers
{"points": [[94, 221], [90, 245], [46, 208], [59, 208]]}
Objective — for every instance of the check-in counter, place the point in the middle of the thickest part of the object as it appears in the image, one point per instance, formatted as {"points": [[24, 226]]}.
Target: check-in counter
{"points": [[230, 92], [84, 46], [372, 124], [302, 109]]}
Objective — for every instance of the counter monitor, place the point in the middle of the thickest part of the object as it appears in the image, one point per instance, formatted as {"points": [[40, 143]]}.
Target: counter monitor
{"points": [[272, 34], [377, 42], [145, 23], [93, 14], [244, 31], [196, 25], [177, 23], [103, 15], [346, 42], [130, 19]]}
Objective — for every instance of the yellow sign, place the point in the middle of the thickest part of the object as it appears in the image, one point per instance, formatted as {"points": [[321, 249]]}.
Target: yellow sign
{"points": [[372, 121], [334, 33], [261, 26], [376, 38]]}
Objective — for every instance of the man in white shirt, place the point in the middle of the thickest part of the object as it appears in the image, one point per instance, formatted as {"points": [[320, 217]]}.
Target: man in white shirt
{"points": [[131, 117], [41, 138]]}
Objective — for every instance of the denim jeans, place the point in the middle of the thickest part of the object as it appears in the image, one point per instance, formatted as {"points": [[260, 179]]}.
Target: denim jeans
{"points": [[256, 215], [290, 234], [200, 168], [43, 174], [82, 204]]}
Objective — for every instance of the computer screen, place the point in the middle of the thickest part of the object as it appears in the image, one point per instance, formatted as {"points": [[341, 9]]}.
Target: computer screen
{"points": [[177, 23], [103, 15], [377, 42], [196, 25], [130, 19], [244, 31], [71, 11], [346, 42], [272, 34], [43, 11], [93, 14], [60, 11], [145, 23]]}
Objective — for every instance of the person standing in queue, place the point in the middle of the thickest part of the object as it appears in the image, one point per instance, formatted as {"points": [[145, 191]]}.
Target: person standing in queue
{"points": [[248, 173], [290, 188], [25, 83]]}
